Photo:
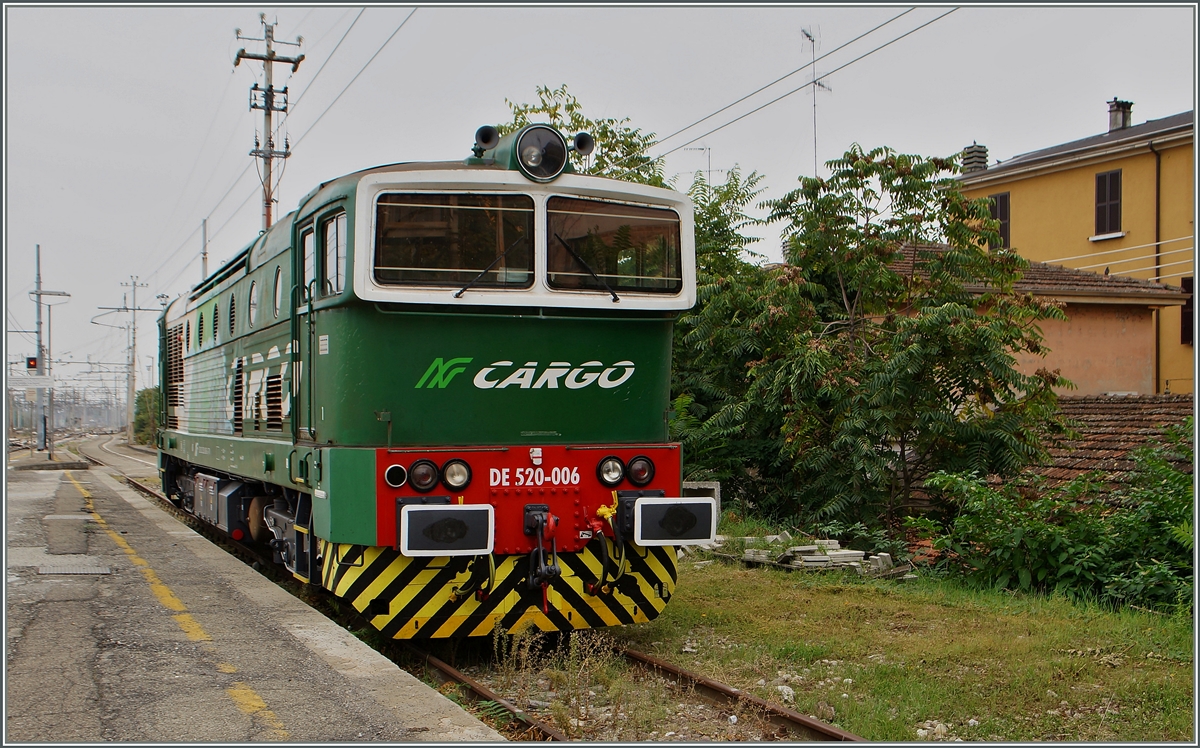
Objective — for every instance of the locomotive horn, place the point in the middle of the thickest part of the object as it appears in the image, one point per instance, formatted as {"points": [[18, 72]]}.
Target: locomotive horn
{"points": [[583, 144], [487, 138]]}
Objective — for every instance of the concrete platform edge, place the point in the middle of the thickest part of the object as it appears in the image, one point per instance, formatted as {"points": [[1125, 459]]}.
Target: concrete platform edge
{"points": [[388, 684]]}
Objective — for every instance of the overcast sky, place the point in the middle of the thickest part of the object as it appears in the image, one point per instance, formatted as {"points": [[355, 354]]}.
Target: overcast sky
{"points": [[124, 127]]}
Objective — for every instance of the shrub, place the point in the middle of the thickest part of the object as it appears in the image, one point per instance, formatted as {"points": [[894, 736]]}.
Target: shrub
{"points": [[1127, 546]]}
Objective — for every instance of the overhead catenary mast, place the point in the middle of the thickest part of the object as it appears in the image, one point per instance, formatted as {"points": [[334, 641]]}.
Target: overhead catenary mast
{"points": [[270, 100], [131, 365], [38, 293]]}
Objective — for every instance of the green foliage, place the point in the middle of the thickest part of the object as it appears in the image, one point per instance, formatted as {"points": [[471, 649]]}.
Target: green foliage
{"points": [[840, 380], [722, 439], [496, 714], [145, 415], [1121, 547], [620, 148]]}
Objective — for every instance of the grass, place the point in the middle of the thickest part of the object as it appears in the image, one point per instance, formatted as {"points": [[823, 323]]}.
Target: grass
{"points": [[889, 657]]}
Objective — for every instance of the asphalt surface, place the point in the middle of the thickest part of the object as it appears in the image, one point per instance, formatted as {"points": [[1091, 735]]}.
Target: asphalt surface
{"points": [[124, 624]]}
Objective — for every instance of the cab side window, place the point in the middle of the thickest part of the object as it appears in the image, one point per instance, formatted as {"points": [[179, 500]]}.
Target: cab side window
{"points": [[308, 247], [335, 255]]}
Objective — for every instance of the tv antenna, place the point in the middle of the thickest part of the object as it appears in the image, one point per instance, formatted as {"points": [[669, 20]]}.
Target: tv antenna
{"points": [[816, 86]]}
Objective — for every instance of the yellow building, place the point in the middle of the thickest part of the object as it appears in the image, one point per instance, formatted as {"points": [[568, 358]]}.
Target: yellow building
{"points": [[1120, 203]]}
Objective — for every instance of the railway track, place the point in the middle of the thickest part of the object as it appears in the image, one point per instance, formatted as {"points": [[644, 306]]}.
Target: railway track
{"points": [[522, 725]]}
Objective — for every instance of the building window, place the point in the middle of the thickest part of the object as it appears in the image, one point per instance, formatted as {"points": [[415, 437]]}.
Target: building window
{"points": [[1187, 311], [1108, 202], [1000, 213]]}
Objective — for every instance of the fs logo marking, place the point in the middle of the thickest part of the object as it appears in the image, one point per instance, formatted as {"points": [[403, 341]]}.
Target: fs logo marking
{"points": [[440, 372]]}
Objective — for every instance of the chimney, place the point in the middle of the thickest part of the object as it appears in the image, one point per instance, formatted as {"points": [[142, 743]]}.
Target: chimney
{"points": [[975, 157], [1120, 114]]}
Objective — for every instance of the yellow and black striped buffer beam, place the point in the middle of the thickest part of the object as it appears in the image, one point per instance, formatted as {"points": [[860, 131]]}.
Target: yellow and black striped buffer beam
{"points": [[422, 598]]}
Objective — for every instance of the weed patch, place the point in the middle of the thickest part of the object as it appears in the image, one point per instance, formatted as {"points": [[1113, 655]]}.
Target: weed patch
{"points": [[885, 660]]}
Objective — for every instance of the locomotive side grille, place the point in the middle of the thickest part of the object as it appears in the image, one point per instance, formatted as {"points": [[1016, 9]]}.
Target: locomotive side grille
{"points": [[274, 402], [174, 375], [239, 387]]}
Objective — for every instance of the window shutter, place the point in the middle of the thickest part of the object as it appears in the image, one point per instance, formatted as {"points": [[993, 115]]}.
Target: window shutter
{"points": [[1187, 311], [1108, 202], [1000, 213]]}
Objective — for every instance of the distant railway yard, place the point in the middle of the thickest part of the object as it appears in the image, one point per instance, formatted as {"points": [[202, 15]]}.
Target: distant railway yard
{"points": [[754, 650]]}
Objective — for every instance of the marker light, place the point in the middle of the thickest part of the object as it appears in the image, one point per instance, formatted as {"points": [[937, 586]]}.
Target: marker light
{"points": [[395, 476], [456, 474], [641, 471], [610, 471], [423, 475]]}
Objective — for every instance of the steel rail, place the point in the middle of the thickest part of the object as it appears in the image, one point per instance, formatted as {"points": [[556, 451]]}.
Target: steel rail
{"points": [[479, 692], [798, 725]]}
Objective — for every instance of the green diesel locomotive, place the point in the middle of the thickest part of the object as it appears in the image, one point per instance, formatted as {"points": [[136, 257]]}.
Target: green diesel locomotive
{"points": [[441, 392]]}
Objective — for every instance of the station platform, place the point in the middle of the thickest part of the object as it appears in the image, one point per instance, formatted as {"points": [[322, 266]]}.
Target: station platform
{"points": [[124, 624]]}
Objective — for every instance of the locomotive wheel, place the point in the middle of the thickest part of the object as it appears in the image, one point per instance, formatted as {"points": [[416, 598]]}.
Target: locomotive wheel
{"points": [[258, 524]]}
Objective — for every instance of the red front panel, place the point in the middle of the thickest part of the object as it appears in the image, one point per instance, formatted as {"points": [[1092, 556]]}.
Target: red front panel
{"points": [[508, 479]]}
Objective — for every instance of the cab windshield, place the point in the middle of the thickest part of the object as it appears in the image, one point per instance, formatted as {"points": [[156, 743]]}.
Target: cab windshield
{"points": [[447, 240], [597, 245]]}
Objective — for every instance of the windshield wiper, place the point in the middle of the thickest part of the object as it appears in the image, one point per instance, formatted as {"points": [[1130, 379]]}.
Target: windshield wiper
{"points": [[499, 257], [588, 268]]}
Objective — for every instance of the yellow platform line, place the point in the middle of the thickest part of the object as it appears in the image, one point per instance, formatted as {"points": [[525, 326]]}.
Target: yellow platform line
{"points": [[244, 697], [251, 704]]}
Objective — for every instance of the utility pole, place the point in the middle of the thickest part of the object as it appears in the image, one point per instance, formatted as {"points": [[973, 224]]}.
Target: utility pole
{"points": [[268, 100], [38, 293], [131, 394]]}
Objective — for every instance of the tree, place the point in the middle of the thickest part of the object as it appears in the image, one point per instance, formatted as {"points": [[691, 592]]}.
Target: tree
{"points": [[145, 415], [620, 151], [885, 347], [723, 438]]}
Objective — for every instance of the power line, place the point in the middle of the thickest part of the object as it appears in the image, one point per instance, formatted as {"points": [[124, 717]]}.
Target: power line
{"points": [[323, 64], [760, 89], [199, 153], [318, 119], [789, 93], [360, 72], [246, 169], [782, 77]]}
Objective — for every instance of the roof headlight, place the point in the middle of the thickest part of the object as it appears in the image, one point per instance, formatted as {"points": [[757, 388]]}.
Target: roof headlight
{"points": [[541, 153], [610, 471], [456, 474]]}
